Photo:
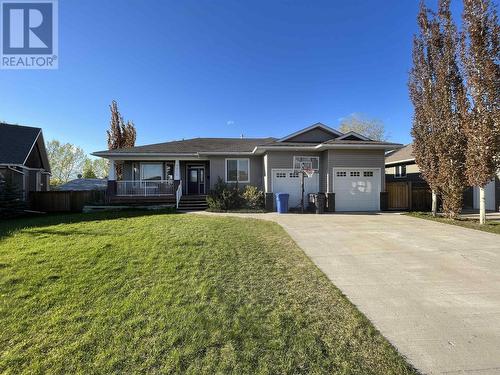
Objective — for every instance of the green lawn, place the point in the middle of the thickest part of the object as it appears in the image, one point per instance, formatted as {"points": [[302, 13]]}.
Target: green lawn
{"points": [[157, 293], [490, 226]]}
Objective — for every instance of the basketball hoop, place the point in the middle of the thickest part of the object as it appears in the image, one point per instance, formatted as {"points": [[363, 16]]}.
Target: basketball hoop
{"points": [[308, 171]]}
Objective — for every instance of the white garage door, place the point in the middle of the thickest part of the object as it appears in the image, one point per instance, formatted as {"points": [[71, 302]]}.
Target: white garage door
{"points": [[356, 189], [288, 181]]}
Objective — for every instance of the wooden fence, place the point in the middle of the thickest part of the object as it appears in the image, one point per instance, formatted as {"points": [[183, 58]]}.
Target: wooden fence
{"points": [[65, 201], [407, 196]]}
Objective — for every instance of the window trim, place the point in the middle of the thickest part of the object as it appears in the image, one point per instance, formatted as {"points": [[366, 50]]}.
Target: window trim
{"points": [[400, 175], [141, 169], [237, 174]]}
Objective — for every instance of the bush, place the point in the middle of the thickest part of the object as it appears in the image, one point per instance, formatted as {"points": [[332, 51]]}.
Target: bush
{"points": [[254, 198], [11, 202], [225, 197]]}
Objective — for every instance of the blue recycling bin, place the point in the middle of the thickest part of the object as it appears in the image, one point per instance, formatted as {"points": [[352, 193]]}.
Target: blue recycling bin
{"points": [[282, 202]]}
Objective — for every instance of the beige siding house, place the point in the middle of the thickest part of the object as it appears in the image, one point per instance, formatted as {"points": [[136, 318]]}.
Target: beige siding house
{"points": [[348, 168]]}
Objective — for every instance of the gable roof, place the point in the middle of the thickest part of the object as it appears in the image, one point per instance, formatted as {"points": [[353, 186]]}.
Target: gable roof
{"points": [[352, 135], [404, 154], [318, 125], [16, 143]]}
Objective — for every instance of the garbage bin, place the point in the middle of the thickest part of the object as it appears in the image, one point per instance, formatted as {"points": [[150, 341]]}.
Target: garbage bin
{"points": [[320, 203], [311, 202], [282, 202]]}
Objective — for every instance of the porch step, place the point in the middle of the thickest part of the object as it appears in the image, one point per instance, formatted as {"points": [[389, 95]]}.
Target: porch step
{"points": [[192, 203]]}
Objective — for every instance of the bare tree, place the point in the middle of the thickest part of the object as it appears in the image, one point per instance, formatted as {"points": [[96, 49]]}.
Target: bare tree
{"points": [[422, 90], [120, 134], [480, 52], [452, 109], [369, 127]]}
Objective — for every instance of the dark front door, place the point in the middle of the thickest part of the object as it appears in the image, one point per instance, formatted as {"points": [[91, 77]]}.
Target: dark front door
{"points": [[196, 180]]}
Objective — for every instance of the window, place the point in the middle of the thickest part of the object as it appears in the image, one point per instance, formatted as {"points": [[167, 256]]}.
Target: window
{"points": [[151, 171], [400, 171], [368, 174], [354, 173], [280, 175], [294, 174], [341, 173], [237, 170]]}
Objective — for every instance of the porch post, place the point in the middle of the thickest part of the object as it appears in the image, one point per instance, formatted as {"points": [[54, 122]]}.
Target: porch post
{"points": [[112, 170], [177, 170], [111, 191]]}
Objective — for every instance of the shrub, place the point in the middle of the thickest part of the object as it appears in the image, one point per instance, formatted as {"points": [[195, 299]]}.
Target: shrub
{"points": [[254, 198], [11, 202], [224, 197]]}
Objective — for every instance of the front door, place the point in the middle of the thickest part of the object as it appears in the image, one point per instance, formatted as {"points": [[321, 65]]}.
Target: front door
{"points": [[196, 180]]}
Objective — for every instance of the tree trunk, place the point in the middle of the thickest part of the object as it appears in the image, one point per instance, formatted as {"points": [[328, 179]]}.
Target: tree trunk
{"points": [[434, 203], [482, 206]]}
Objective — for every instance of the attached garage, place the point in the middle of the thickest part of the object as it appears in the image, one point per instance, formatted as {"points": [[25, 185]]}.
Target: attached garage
{"points": [[288, 181], [357, 189]]}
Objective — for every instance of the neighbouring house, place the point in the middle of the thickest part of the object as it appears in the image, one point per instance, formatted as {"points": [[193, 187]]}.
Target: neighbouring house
{"points": [[23, 158], [84, 184], [350, 168], [408, 190]]}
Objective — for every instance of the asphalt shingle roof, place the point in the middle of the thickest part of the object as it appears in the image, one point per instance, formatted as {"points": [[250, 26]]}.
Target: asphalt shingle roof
{"points": [[85, 184], [405, 153], [16, 142], [194, 145]]}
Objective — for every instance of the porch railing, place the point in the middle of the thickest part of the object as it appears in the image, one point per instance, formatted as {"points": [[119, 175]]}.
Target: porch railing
{"points": [[178, 194], [143, 188]]}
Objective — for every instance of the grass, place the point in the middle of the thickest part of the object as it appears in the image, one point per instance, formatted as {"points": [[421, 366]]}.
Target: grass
{"points": [[134, 292], [490, 226]]}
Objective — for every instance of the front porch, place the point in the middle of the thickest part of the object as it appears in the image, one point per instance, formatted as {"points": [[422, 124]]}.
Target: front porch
{"points": [[158, 181]]}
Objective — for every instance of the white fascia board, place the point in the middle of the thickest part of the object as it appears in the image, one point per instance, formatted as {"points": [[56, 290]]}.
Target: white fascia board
{"points": [[364, 146], [33, 145], [360, 136], [400, 161]]}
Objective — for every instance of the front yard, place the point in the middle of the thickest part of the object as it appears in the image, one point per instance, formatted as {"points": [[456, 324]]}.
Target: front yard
{"points": [[491, 226], [158, 293]]}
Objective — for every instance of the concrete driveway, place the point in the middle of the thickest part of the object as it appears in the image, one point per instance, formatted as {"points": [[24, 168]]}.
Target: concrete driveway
{"points": [[432, 289]]}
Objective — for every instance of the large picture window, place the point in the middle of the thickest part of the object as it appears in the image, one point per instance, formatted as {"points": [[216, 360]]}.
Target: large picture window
{"points": [[151, 171], [237, 170]]}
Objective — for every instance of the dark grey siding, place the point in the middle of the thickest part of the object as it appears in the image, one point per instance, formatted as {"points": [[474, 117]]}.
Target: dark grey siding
{"points": [[316, 135], [218, 169], [356, 158]]}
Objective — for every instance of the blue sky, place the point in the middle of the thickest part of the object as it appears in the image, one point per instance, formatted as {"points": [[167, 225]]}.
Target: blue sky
{"points": [[183, 69]]}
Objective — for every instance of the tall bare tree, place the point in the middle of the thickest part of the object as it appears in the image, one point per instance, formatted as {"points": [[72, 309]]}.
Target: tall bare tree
{"points": [[452, 111], [369, 127], [438, 95], [121, 134], [422, 88], [480, 52]]}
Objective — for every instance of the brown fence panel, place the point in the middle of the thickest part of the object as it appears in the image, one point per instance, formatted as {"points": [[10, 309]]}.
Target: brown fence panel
{"points": [[421, 199], [398, 196], [65, 201]]}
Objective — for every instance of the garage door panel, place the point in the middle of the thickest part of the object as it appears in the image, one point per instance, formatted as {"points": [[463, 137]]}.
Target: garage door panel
{"points": [[356, 189], [288, 181]]}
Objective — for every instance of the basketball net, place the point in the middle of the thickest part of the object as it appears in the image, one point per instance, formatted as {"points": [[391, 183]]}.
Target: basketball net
{"points": [[308, 171]]}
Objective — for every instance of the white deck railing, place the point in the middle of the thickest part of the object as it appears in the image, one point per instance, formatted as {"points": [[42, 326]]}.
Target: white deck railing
{"points": [[178, 194], [145, 188]]}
